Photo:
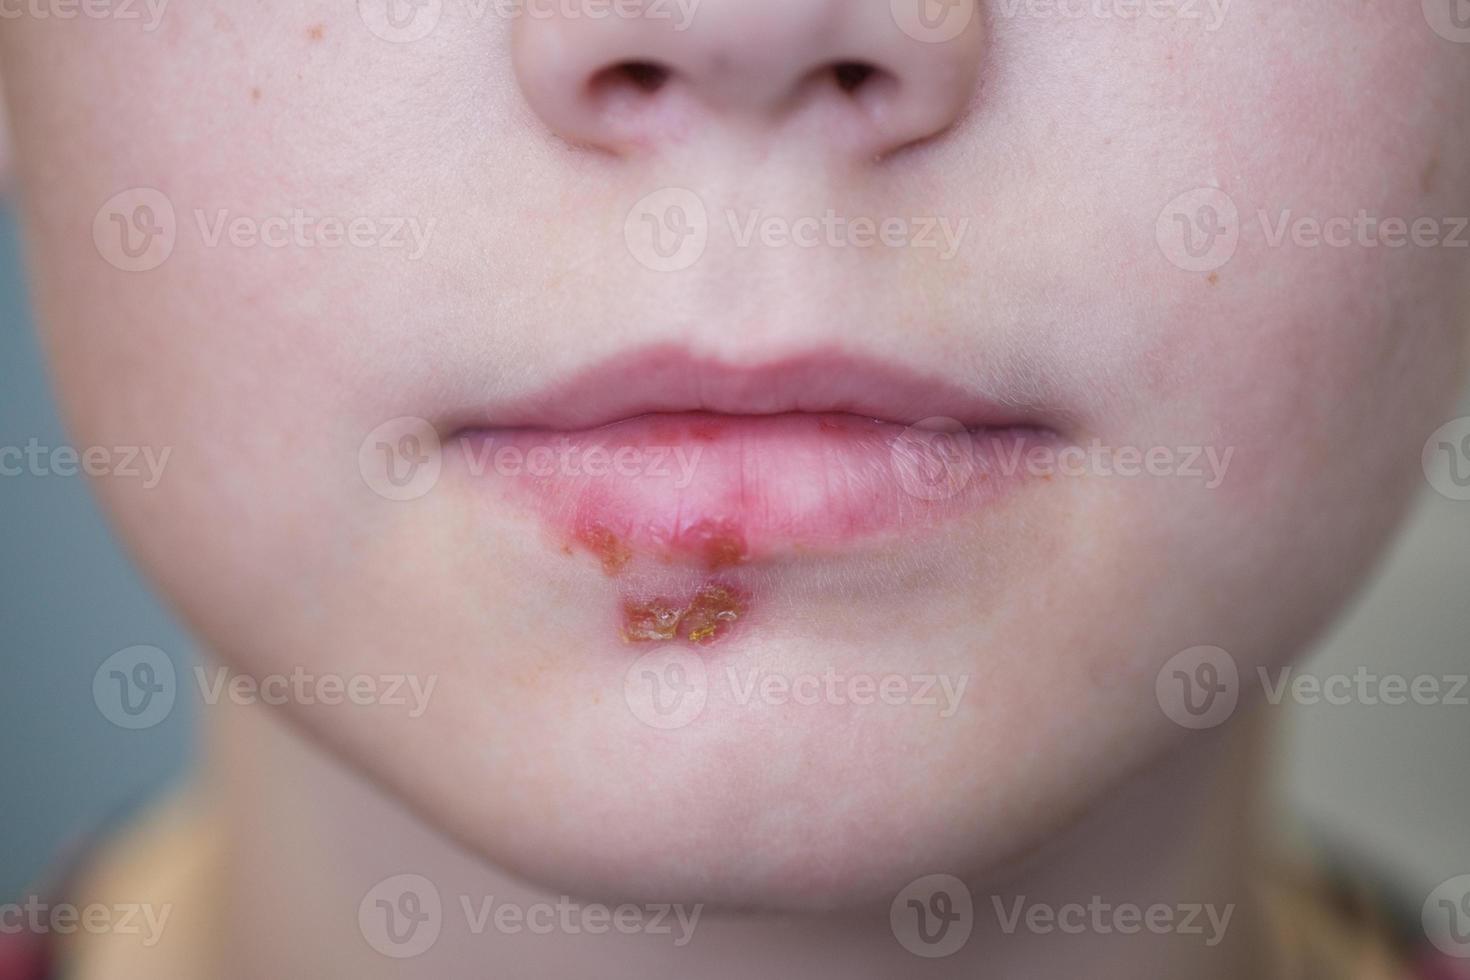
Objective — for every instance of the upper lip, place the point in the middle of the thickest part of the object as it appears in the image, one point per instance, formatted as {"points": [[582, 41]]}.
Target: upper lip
{"points": [[671, 379]]}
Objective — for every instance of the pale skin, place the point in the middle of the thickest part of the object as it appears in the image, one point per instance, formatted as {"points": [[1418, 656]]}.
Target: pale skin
{"points": [[1060, 142]]}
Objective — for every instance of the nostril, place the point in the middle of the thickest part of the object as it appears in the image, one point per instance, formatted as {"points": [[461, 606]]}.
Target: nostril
{"points": [[853, 75], [641, 77]]}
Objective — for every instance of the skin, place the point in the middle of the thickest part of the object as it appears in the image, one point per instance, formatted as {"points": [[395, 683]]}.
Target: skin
{"points": [[1325, 369]]}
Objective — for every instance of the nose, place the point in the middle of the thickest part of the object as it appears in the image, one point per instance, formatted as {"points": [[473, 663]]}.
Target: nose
{"points": [[865, 77]]}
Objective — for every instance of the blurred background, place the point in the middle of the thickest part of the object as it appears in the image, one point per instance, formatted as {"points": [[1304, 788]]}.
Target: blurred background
{"points": [[1389, 782]]}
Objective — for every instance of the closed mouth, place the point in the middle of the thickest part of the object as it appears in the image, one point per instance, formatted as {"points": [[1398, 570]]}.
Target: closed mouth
{"points": [[666, 458]]}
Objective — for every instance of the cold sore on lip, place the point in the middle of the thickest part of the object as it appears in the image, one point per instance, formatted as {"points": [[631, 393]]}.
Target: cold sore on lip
{"points": [[759, 490]]}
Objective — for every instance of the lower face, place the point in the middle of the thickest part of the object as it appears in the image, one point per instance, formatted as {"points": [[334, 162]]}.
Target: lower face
{"points": [[916, 636]]}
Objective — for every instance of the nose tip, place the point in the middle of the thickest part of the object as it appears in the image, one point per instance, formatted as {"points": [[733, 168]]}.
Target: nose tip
{"points": [[868, 77]]}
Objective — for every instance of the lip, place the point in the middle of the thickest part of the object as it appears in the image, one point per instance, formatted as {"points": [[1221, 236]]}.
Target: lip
{"points": [[668, 379], [662, 460]]}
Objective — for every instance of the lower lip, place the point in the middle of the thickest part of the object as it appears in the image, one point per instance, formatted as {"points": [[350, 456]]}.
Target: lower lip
{"points": [[710, 494]]}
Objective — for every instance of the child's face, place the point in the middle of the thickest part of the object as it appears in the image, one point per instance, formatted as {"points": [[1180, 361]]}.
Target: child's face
{"points": [[972, 661]]}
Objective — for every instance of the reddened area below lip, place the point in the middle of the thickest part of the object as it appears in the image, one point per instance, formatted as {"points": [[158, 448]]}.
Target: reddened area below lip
{"points": [[680, 477]]}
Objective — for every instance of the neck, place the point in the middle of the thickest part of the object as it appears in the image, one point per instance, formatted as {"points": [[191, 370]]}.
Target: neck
{"points": [[308, 839]]}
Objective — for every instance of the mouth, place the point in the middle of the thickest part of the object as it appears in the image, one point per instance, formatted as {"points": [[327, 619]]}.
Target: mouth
{"points": [[692, 473]]}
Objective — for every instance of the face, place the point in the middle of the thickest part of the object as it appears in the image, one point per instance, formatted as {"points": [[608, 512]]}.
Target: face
{"points": [[792, 437]]}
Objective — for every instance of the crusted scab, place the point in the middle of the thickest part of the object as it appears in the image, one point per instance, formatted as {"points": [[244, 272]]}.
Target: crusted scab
{"points": [[706, 618], [610, 549], [650, 622], [712, 613], [718, 543]]}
